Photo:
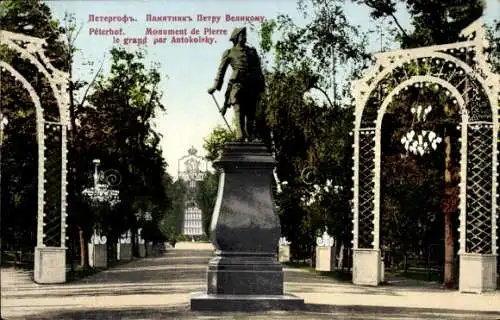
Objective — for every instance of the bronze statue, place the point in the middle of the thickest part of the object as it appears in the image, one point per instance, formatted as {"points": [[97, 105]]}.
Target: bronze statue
{"points": [[245, 85]]}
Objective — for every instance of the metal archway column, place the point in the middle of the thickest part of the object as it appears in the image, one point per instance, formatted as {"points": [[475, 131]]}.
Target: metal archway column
{"points": [[50, 250]]}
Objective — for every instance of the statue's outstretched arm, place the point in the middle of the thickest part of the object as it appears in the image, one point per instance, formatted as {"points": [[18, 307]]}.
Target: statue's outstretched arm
{"points": [[219, 78]]}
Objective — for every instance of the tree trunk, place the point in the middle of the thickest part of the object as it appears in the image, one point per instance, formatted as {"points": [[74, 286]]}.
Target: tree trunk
{"points": [[313, 256], [84, 261], [340, 262], [405, 262], [71, 254], [135, 252], [449, 277]]}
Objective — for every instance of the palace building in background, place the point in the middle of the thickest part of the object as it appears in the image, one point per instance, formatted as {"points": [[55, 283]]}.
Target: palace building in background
{"points": [[192, 169]]}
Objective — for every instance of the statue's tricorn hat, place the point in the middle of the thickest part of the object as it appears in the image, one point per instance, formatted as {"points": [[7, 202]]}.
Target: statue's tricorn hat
{"points": [[236, 32]]}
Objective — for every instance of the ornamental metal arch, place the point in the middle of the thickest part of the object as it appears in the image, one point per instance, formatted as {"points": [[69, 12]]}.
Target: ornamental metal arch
{"points": [[192, 169], [459, 69], [50, 250]]}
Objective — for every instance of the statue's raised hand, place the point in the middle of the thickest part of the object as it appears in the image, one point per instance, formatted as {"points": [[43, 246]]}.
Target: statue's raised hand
{"points": [[212, 90]]}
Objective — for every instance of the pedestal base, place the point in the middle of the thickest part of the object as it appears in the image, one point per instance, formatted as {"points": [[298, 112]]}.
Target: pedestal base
{"points": [[382, 271], [98, 255], [244, 273], [124, 251], [284, 253], [244, 303], [50, 265], [478, 273], [142, 250], [366, 267], [325, 258], [149, 249], [157, 250]]}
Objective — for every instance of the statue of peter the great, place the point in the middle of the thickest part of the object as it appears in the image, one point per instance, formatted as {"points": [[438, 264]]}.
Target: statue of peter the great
{"points": [[245, 85]]}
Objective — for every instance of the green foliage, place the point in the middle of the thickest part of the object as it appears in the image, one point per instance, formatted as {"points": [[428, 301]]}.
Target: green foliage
{"points": [[171, 223], [207, 195], [322, 48], [310, 127], [433, 21], [113, 123], [124, 104], [411, 209], [307, 133], [34, 18], [214, 143], [442, 23], [493, 34], [207, 188]]}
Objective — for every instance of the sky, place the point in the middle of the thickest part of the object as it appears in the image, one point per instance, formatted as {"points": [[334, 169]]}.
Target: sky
{"points": [[187, 69]]}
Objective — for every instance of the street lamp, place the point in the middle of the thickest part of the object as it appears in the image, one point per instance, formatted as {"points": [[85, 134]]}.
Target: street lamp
{"points": [[146, 216], [100, 192], [426, 140], [96, 162]]}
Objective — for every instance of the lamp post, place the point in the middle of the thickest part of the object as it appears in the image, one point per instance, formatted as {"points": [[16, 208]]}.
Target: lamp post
{"points": [[101, 193], [96, 162], [147, 217], [98, 195]]}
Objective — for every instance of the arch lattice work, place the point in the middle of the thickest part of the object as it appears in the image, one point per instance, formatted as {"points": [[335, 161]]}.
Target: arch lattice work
{"points": [[461, 74], [51, 136]]}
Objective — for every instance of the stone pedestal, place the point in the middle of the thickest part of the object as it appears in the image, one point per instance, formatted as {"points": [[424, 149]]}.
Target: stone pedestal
{"points": [[141, 247], [245, 274], [366, 267], [50, 265], [124, 251], [382, 271], [158, 249], [284, 253], [98, 255], [325, 258], [478, 273], [149, 249]]}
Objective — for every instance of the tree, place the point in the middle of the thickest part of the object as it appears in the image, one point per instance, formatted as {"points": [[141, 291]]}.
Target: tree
{"points": [[214, 143], [78, 178], [493, 34], [207, 195], [171, 222], [310, 117], [207, 188], [433, 21], [303, 117], [124, 104]]}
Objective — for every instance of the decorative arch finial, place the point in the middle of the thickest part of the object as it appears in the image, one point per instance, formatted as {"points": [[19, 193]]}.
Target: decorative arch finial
{"points": [[192, 151]]}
